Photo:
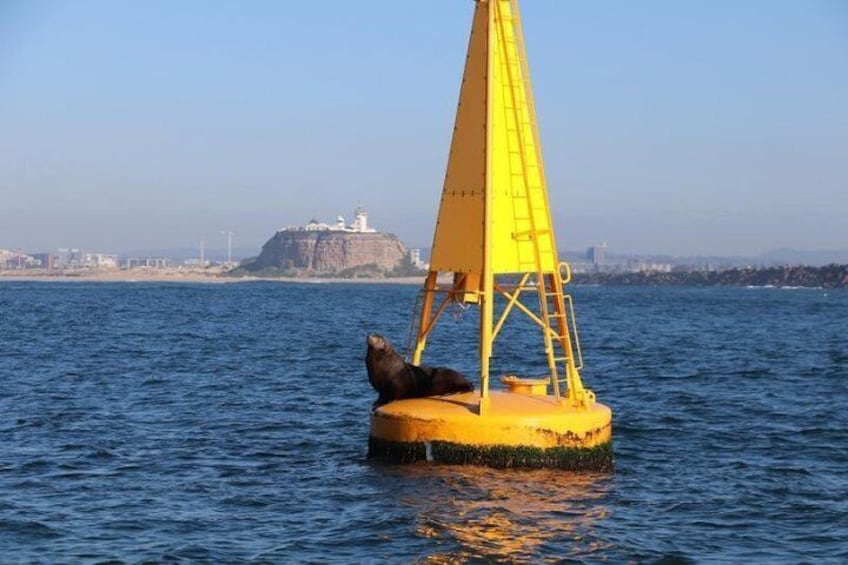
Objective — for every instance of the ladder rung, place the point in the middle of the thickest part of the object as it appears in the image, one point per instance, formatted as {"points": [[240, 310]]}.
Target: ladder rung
{"points": [[531, 232]]}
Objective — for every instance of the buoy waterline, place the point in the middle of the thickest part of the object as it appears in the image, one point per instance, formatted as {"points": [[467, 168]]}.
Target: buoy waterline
{"points": [[495, 238], [518, 431]]}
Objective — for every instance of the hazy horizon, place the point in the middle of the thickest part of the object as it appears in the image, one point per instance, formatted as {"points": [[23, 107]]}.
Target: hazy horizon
{"points": [[667, 128]]}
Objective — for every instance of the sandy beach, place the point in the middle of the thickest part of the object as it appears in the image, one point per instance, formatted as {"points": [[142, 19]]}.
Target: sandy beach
{"points": [[212, 276]]}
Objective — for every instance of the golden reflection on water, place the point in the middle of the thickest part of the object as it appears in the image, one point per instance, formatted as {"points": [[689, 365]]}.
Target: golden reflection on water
{"points": [[509, 515]]}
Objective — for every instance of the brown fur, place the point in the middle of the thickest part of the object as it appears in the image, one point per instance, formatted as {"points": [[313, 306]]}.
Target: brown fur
{"points": [[394, 379]]}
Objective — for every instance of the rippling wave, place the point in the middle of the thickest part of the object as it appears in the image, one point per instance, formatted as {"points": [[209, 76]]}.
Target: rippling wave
{"points": [[229, 423]]}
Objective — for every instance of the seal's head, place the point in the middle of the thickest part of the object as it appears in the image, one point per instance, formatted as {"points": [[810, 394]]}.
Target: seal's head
{"points": [[376, 341], [381, 357]]}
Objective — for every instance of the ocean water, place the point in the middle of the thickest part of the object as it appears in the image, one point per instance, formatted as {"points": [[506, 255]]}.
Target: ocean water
{"points": [[229, 423]]}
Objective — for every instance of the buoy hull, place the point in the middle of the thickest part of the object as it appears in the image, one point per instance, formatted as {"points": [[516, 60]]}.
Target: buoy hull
{"points": [[516, 430]]}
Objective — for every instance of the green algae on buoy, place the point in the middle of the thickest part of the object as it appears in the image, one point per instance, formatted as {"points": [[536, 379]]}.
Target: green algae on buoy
{"points": [[494, 237]]}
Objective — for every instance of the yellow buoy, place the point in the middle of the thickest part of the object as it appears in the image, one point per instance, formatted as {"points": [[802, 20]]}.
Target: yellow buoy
{"points": [[495, 236]]}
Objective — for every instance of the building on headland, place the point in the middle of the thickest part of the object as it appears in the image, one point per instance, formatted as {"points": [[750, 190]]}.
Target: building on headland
{"points": [[415, 259], [359, 225], [349, 250]]}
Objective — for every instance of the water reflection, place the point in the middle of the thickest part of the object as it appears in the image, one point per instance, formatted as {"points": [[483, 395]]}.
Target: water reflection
{"points": [[506, 515]]}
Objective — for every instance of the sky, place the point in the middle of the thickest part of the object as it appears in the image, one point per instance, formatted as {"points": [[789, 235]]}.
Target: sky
{"points": [[682, 128]]}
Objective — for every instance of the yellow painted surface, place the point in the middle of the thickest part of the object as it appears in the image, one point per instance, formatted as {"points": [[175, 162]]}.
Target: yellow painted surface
{"points": [[511, 420], [526, 386], [458, 241], [518, 178], [494, 215], [514, 160]]}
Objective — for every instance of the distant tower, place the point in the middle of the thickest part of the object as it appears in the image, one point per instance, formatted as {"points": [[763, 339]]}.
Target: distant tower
{"points": [[229, 235], [415, 257], [597, 254], [340, 225], [360, 222]]}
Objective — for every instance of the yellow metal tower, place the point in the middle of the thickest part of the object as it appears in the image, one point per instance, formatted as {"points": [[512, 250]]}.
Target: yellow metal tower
{"points": [[494, 236]]}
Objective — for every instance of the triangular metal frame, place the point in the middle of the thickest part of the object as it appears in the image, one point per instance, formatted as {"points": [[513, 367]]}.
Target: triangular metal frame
{"points": [[494, 217]]}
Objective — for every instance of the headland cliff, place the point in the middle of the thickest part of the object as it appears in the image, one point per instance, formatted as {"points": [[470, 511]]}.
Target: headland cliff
{"points": [[326, 253]]}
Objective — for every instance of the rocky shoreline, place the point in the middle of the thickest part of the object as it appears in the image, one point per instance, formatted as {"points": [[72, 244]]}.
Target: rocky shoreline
{"points": [[829, 276]]}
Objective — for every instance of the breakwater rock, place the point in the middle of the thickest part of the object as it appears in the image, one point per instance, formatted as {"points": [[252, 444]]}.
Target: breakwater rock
{"points": [[829, 276], [304, 253]]}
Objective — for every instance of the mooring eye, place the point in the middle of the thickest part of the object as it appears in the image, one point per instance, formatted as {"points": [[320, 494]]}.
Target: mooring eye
{"points": [[564, 267]]}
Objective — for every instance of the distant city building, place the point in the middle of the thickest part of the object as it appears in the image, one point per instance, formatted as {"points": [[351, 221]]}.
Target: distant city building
{"points": [[642, 266], [359, 225], [597, 254], [197, 263], [150, 262], [67, 257], [12, 260], [73, 258], [101, 261], [45, 259], [64, 258]]}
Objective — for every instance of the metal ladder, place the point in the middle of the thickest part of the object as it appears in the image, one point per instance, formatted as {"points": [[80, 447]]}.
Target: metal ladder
{"points": [[556, 308], [414, 324]]}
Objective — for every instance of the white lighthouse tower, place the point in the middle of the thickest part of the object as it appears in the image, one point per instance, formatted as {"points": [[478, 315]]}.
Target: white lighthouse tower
{"points": [[360, 221]]}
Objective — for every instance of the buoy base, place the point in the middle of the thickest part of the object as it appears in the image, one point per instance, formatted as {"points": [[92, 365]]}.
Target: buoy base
{"points": [[516, 430], [596, 459]]}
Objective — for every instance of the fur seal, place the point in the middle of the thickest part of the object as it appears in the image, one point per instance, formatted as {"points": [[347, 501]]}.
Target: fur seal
{"points": [[394, 379]]}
